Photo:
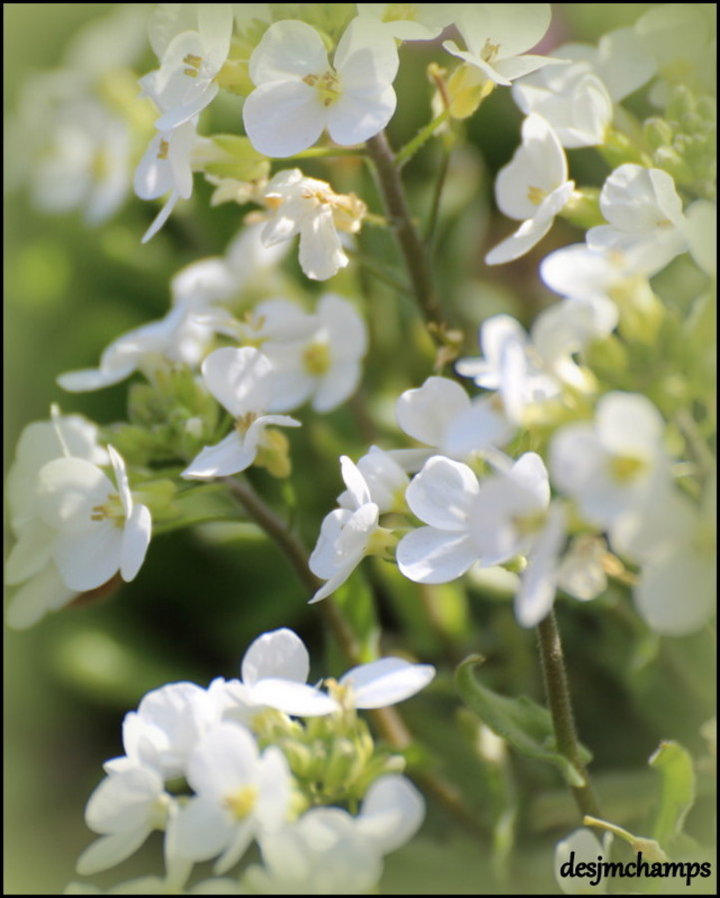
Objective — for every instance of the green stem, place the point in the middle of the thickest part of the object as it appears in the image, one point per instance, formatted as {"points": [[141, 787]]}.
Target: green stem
{"points": [[380, 271], [325, 153], [398, 215], [695, 442], [437, 196], [404, 154], [558, 695]]}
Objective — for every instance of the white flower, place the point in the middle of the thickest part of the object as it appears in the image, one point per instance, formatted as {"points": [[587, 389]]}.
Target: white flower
{"points": [[621, 61], [308, 207], [165, 729], [327, 851], [379, 684], [644, 213], [241, 381], [178, 337], [410, 21], [443, 495], [274, 674], [512, 366], [610, 466], [345, 534], [298, 93], [497, 33], [192, 42], [386, 481], [578, 272], [167, 167], [98, 530], [325, 364], [571, 99], [441, 414], [533, 187], [675, 543], [125, 808], [489, 523], [239, 794]]}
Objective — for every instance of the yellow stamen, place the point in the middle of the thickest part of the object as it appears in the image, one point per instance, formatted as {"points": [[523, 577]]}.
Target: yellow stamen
{"points": [[625, 468], [536, 195], [316, 359], [193, 64], [112, 510], [243, 422], [163, 151], [241, 802], [327, 86]]}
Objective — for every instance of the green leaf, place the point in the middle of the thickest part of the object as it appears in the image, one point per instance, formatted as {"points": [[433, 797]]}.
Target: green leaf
{"points": [[526, 725], [677, 790]]}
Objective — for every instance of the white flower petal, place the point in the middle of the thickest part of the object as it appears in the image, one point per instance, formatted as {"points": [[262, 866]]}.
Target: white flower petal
{"points": [[201, 829], [426, 413], [229, 456], [135, 542], [86, 559], [296, 699], [427, 555], [42, 593], [280, 654], [110, 850], [288, 49], [386, 681], [283, 118], [391, 813], [442, 494]]}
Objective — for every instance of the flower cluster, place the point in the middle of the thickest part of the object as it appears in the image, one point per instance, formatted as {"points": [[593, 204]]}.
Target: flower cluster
{"points": [[220, 768]]}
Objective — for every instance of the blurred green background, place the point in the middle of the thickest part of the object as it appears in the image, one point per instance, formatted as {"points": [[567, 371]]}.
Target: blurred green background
{"points": [[202, 596]]}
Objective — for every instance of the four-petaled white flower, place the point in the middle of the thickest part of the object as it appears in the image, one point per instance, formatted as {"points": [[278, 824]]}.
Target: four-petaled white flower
{"points": [[328, 851], [346, 534], [178, 337], [442, 415], [242, 382], [298, 93], [192, 42], [324, 365], [611, 466], [125, 808], [240, 793], [409, 21], [644, 213], [496, 34], [533, 187], [98, 529], [166, 167], [571, 99], [310, 208]]}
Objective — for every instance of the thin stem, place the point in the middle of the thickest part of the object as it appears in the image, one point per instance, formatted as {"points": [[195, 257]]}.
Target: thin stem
{"points": [[389, 723], [404, 154], [695, 442], [325, 153], [380, 271], [558, 695], [437, 196], [398, 215]]}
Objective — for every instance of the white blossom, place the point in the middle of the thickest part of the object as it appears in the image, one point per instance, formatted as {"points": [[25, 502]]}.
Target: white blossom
{"points": [[385, 478], [192, 42], [571, 99], [442, 415], [496, 34], [298, 94], [166, 167], [533, 187], [346, 534], [410, 21], [241, 381], [324, 365], [178, 337], [611, 465], [310, 208], [644, 213], [239, 793]]}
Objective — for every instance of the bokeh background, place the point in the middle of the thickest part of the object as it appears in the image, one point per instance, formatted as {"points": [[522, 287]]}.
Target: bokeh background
{"points": [[203, 595]]}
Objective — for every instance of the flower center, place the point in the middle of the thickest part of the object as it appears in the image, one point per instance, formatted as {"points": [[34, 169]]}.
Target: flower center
{"points": [[192, 65], [625, 468], [112, 509], [327, 86], [163, 151], [344, 694], [536, 195], [490, 51], [243, 422], [531, 523], [241, 802], [316, 359]]}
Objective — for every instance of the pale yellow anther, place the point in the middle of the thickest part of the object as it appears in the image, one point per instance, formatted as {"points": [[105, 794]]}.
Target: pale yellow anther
{"points": [[316, 359], [528, 524], [163, 151], [243, 422], [193, 64], [536, 195], [490, 51], [327, 86], [111, 510]]}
